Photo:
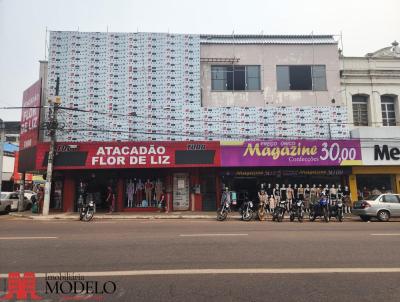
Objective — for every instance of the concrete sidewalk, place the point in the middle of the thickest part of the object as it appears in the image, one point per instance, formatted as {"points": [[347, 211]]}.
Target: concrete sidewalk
{"points": [[140, 215], [123, 215]]}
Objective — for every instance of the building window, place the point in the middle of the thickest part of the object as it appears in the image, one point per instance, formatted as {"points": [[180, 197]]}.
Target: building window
{"points": [[388, 110], [235, 77], [301, 77], [360, 110]]}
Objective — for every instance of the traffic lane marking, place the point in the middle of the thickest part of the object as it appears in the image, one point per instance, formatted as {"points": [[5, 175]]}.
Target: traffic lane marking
{"points": [[383, 234], [212, 235], [226, 271], [26, 238]]}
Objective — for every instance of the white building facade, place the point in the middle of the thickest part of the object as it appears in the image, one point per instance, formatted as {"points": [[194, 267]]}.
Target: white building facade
{"points": [[371, 90]]}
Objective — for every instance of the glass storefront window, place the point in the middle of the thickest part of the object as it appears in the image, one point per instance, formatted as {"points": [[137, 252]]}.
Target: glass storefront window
{"points": [[143, 192], [373, 184]]}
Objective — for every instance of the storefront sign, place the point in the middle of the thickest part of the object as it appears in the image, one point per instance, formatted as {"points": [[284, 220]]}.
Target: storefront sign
{"points": [[385, 153], [379, 145], [30, 116], [378, 154], [288, 172], [120, 155], [291, 153]]}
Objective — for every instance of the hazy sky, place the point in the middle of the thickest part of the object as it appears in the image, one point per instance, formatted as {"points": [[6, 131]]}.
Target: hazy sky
{"points": [[366, 26]]}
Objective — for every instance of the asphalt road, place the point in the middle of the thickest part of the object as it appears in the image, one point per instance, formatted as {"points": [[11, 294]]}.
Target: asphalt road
{"points": [[204, 260]]}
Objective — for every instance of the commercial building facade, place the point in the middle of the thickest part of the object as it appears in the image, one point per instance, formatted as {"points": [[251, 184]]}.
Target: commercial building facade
{"points": [[210, 94], [371, 89]]}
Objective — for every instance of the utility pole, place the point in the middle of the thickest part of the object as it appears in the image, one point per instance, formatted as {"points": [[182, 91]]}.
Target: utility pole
{"points": [[2, 138], [52, 127]]}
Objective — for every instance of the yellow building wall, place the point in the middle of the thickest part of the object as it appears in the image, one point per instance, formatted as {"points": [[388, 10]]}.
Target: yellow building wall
{"points": [[393, 170]]}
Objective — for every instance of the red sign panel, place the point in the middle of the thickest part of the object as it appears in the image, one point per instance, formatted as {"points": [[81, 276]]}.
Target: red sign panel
{"points": [[123, 155], [30, 116]]}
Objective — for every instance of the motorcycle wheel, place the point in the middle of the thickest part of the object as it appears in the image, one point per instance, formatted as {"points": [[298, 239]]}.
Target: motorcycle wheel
{"points": [[326, 215], [88, 215], [311, 217], [291, 217], [221, 215], [340, 217], [300, 217], [280, 216], [81, 214], [247, 215]]}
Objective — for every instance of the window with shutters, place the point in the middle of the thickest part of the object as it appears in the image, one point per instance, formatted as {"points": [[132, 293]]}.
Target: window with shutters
{"points": [[360, 110]]}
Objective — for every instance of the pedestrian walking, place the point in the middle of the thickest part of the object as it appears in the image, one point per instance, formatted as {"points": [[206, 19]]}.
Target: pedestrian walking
{"points": [[110, 199]]}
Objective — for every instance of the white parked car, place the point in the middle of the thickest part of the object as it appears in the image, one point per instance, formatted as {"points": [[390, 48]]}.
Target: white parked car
{"points": [[5, 202], [382, 206], [9, 202]]}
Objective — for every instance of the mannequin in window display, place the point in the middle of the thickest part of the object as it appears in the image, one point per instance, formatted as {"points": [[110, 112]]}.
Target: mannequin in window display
{"points": [[282, 192], [130, 192], [81, 193], [347, 199], [339, 192], [158, 188], [263, 204], [313, 195], [277, 194], [326, 190], [272, 201], [148, 189], [139, 193], [307, 192], [300, 192], [333, 194], [289, 196], [319, 191], [270, 191], [295, 190]]}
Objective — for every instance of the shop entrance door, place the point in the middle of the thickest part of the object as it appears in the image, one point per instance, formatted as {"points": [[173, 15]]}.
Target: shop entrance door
{"points": [[208, 193], [181, 192]]}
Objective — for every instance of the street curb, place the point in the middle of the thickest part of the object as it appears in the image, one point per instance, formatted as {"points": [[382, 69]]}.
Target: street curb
{"points": [[115, 217], [130, 217]]}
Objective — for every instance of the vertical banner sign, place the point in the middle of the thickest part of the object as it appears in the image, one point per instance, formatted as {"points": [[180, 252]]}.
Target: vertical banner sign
{"points": [[30, 116]]}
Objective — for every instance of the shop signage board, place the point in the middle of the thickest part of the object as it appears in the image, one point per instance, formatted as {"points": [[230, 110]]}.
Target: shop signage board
{"points": [[284, 153], [30, 116], [123, 155], [379, 145], [379, 153], [287, 171]]}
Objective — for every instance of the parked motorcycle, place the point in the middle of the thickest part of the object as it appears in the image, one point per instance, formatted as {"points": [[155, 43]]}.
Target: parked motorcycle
{"points": [[223, 211], [336, 210], [247, 210], [297, 211], [279, 211], [320, 209], [86, 211]]}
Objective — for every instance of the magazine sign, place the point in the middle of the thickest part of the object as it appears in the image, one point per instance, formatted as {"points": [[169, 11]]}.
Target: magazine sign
{"points": [[291, 153]]}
